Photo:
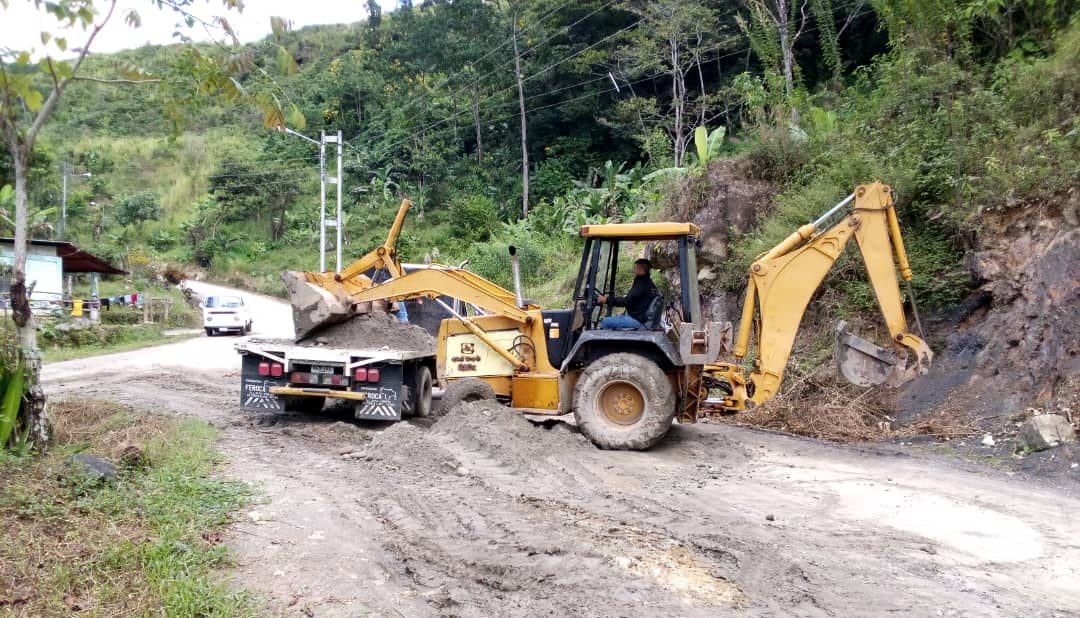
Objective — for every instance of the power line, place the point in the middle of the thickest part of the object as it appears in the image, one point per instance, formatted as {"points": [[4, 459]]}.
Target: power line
{"points": [[384, 150], [511, 87], [502, 45]]}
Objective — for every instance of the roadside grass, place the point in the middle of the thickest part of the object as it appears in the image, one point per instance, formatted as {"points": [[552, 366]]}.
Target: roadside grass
{"points": [[115, 339], [147, 543]]}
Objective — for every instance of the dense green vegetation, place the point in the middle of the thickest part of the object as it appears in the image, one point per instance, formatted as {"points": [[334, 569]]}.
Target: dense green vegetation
{"points": [[964, 107]]}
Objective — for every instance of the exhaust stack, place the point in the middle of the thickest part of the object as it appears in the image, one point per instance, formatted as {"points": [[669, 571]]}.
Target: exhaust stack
{"points": [[515, 268]]}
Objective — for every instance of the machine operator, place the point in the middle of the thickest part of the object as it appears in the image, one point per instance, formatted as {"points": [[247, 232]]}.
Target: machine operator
{"points": [[636, 301]]}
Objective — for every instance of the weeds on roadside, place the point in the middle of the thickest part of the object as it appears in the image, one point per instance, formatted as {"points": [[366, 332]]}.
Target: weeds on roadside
{"points": [[146, 543]]}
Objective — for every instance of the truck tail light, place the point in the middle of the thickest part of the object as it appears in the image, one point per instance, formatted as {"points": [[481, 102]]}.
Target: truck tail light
{"points": [[336, 380], [264, 369], [276, 370], [360, 374], [298, 377], [372, 375]]}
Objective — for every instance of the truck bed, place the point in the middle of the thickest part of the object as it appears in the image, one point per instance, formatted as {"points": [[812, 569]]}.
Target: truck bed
{"points": [[280, 374], [324, 353]]}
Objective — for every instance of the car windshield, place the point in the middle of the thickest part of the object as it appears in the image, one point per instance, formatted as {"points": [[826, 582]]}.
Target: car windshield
{"points": [[224, 302]]}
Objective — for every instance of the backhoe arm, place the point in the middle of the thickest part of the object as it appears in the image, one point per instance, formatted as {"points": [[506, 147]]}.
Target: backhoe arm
{"points": [[322, 299], [381, 257], [783, 280]]}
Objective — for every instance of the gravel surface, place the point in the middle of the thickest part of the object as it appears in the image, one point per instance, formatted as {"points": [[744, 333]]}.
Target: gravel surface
{"points": [[483, 513]]}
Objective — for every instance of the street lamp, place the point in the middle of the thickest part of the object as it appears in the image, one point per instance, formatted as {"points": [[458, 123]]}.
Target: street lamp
{"points": [[63, 199]]}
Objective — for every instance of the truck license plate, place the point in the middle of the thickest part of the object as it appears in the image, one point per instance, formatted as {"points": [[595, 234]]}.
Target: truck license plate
{"points": [[325, 369]]}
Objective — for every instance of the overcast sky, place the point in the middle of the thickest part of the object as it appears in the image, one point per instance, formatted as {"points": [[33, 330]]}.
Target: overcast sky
{"points": [[21, 24]]}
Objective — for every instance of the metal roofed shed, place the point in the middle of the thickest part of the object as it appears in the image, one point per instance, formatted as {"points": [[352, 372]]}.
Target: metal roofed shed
{"points": [[47, 261]]}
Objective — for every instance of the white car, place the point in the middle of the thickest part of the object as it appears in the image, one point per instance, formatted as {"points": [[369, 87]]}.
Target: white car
{"points": [[225, 313]]}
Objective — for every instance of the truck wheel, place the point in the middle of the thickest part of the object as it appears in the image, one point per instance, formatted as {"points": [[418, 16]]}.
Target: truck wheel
{"points": [[209, 332], [418, 403], [304, 405], [247, 329], [465, 389], [624, 401]]}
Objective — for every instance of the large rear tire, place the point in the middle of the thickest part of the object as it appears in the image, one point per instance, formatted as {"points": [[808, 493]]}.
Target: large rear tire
{"points": [[418, 403], [463, 390], [624, 401]]}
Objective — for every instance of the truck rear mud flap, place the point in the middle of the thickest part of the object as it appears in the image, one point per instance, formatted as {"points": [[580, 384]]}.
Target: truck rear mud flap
{"points": [[256, 380], [383, 400]]}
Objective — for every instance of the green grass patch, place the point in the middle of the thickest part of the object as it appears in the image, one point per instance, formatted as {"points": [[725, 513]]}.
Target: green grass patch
{"points": [[144, 544], [105, 339]]}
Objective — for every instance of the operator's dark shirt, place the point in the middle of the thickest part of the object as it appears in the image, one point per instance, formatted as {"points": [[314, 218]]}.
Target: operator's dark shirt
{"points": [[638, 298]]}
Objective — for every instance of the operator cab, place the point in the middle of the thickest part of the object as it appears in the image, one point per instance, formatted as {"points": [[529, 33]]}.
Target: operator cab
{"points": [[600, 274]]}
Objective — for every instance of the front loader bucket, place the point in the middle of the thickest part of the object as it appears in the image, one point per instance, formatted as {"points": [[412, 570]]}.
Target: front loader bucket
{"points": [[865, 364], [314, 307]]}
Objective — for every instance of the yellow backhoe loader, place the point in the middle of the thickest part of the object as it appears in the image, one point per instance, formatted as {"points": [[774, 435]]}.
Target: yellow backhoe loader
{"points": [[625, 388]]}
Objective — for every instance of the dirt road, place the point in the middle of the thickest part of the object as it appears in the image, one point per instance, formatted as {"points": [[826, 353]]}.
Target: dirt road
{"points": [[484, 513]]}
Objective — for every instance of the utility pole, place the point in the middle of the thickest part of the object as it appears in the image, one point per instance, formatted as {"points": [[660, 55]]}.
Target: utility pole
{"points": [[322, 201], [337, 180], [524, 139], [340, 182], [324, 222]]}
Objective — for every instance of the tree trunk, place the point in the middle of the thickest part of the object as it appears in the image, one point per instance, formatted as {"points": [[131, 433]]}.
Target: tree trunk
{"points": [[476, 121], [524, 137], [678, 94], [787, 50], [32, 413]]}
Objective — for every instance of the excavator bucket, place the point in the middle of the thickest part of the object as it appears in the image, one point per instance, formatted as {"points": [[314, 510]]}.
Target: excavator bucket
{"points": [[316, 305], [865, 364]]}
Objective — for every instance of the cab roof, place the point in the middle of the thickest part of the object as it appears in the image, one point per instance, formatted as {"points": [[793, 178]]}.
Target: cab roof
{"points": [[641, 231]]}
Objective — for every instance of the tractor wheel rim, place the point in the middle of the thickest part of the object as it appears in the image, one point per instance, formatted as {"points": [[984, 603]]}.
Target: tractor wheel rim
{"points": [[622, 403]]}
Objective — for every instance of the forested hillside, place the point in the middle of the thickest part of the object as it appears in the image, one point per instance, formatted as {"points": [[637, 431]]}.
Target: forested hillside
{"points": [[968, 108]]}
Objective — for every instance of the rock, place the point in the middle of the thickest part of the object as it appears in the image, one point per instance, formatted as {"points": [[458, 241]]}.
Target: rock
{"points": [[1039, 433], [623, 562], [132, 455], [94, 467], [988, 440], [770, 517], [462, 471]]}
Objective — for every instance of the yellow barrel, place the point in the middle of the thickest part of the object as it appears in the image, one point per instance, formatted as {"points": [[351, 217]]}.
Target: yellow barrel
{"points": [[77, 308]]}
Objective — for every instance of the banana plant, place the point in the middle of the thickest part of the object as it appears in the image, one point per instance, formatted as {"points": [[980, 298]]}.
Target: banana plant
{"points": [[707, 145], [12, 385]]}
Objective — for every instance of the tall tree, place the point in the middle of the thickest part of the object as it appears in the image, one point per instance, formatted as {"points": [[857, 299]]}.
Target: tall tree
{"points": [[24, 110], [31, 90], [776, 27], [671, 42], [524, 127]]}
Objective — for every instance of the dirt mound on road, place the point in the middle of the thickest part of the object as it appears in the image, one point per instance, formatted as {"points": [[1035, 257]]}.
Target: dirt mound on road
{"points": [[479, 435], [374, 331], [495, 432]]}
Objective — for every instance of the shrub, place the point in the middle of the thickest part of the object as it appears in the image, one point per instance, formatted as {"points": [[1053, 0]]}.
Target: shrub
{"points": [[473, 217], [492, 261]]}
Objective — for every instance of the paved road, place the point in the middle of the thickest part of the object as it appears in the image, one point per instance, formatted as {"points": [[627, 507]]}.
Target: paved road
{"points": [[272, 318]]}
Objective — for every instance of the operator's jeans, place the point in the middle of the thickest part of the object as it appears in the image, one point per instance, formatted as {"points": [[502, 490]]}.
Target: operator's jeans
{"points": [[621, 322]]}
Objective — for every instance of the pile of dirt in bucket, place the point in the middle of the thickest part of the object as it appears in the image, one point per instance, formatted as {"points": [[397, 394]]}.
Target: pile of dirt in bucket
{"points": [[374, 331]]}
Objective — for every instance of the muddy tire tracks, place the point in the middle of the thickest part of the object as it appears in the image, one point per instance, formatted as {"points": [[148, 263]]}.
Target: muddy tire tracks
{"points": [[483, 513]]}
